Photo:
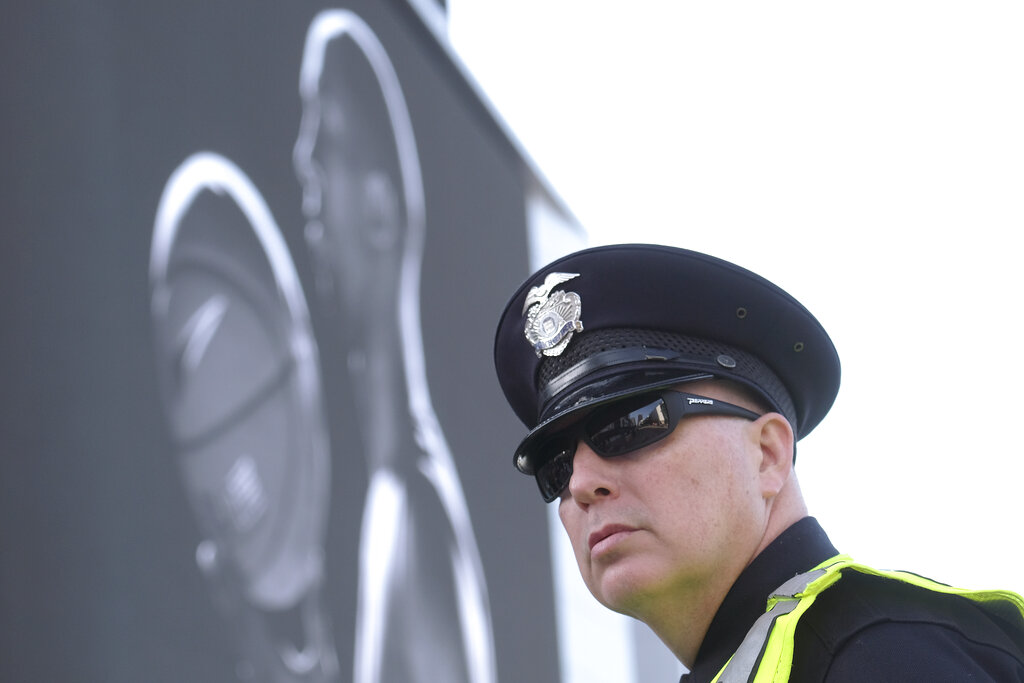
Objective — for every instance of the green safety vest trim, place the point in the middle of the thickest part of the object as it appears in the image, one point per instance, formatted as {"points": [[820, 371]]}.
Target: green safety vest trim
{"points": [[766, 653]]}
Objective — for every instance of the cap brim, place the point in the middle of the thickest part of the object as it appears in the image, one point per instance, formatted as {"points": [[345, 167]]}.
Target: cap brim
{"points": [[604, 392]]}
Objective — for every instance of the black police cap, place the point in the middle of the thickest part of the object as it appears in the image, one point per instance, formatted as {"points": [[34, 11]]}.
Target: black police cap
{"points": [[613, 321]]}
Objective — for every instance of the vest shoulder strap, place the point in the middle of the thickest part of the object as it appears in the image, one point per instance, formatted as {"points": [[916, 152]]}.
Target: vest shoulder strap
{"points": [[766, 653]]}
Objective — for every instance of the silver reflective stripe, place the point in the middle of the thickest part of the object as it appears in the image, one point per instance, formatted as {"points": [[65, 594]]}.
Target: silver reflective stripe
{"points": [[743, 665]]}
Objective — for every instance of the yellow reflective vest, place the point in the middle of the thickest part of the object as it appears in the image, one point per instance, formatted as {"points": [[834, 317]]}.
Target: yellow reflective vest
{"points": [[766, 653]]}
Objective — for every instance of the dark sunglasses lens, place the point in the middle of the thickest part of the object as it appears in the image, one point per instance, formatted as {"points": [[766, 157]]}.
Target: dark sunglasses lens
{"points": [[553, 476], [628, 425]]}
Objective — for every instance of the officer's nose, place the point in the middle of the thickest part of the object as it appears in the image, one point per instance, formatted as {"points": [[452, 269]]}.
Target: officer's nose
{"points": [[593, 477]]}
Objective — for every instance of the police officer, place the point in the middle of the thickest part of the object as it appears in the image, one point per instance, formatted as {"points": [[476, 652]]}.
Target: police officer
{"points": [[664, 391]]}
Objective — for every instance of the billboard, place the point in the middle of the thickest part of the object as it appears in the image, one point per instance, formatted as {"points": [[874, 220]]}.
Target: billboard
{"points": [[252, 256]]}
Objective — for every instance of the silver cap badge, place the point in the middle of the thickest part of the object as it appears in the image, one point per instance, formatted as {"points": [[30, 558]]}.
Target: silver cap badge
{"points": [[552, 317]]}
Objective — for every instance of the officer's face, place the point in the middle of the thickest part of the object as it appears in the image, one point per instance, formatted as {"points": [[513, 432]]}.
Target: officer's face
{"points": [[674, 521]]}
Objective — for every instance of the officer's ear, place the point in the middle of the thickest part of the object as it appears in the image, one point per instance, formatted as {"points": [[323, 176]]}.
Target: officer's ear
{"points": [[775, 438]]}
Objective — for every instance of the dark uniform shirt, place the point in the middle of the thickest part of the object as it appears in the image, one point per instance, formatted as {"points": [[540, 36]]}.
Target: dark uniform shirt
{"points": [[863, 628]]}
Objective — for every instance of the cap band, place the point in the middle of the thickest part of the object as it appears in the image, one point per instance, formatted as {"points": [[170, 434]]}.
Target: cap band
{"points": [[602, 355]]}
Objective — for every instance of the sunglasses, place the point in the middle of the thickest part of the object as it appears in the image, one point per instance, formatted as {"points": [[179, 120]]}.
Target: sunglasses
{"points": [[619, 428]]}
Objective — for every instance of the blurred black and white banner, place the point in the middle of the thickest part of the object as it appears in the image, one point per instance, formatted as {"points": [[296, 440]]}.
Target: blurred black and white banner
{"points": [[252, 257]]}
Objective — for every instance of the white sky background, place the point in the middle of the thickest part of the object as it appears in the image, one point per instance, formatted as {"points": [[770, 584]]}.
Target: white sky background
{"points": [[869, 159]]}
